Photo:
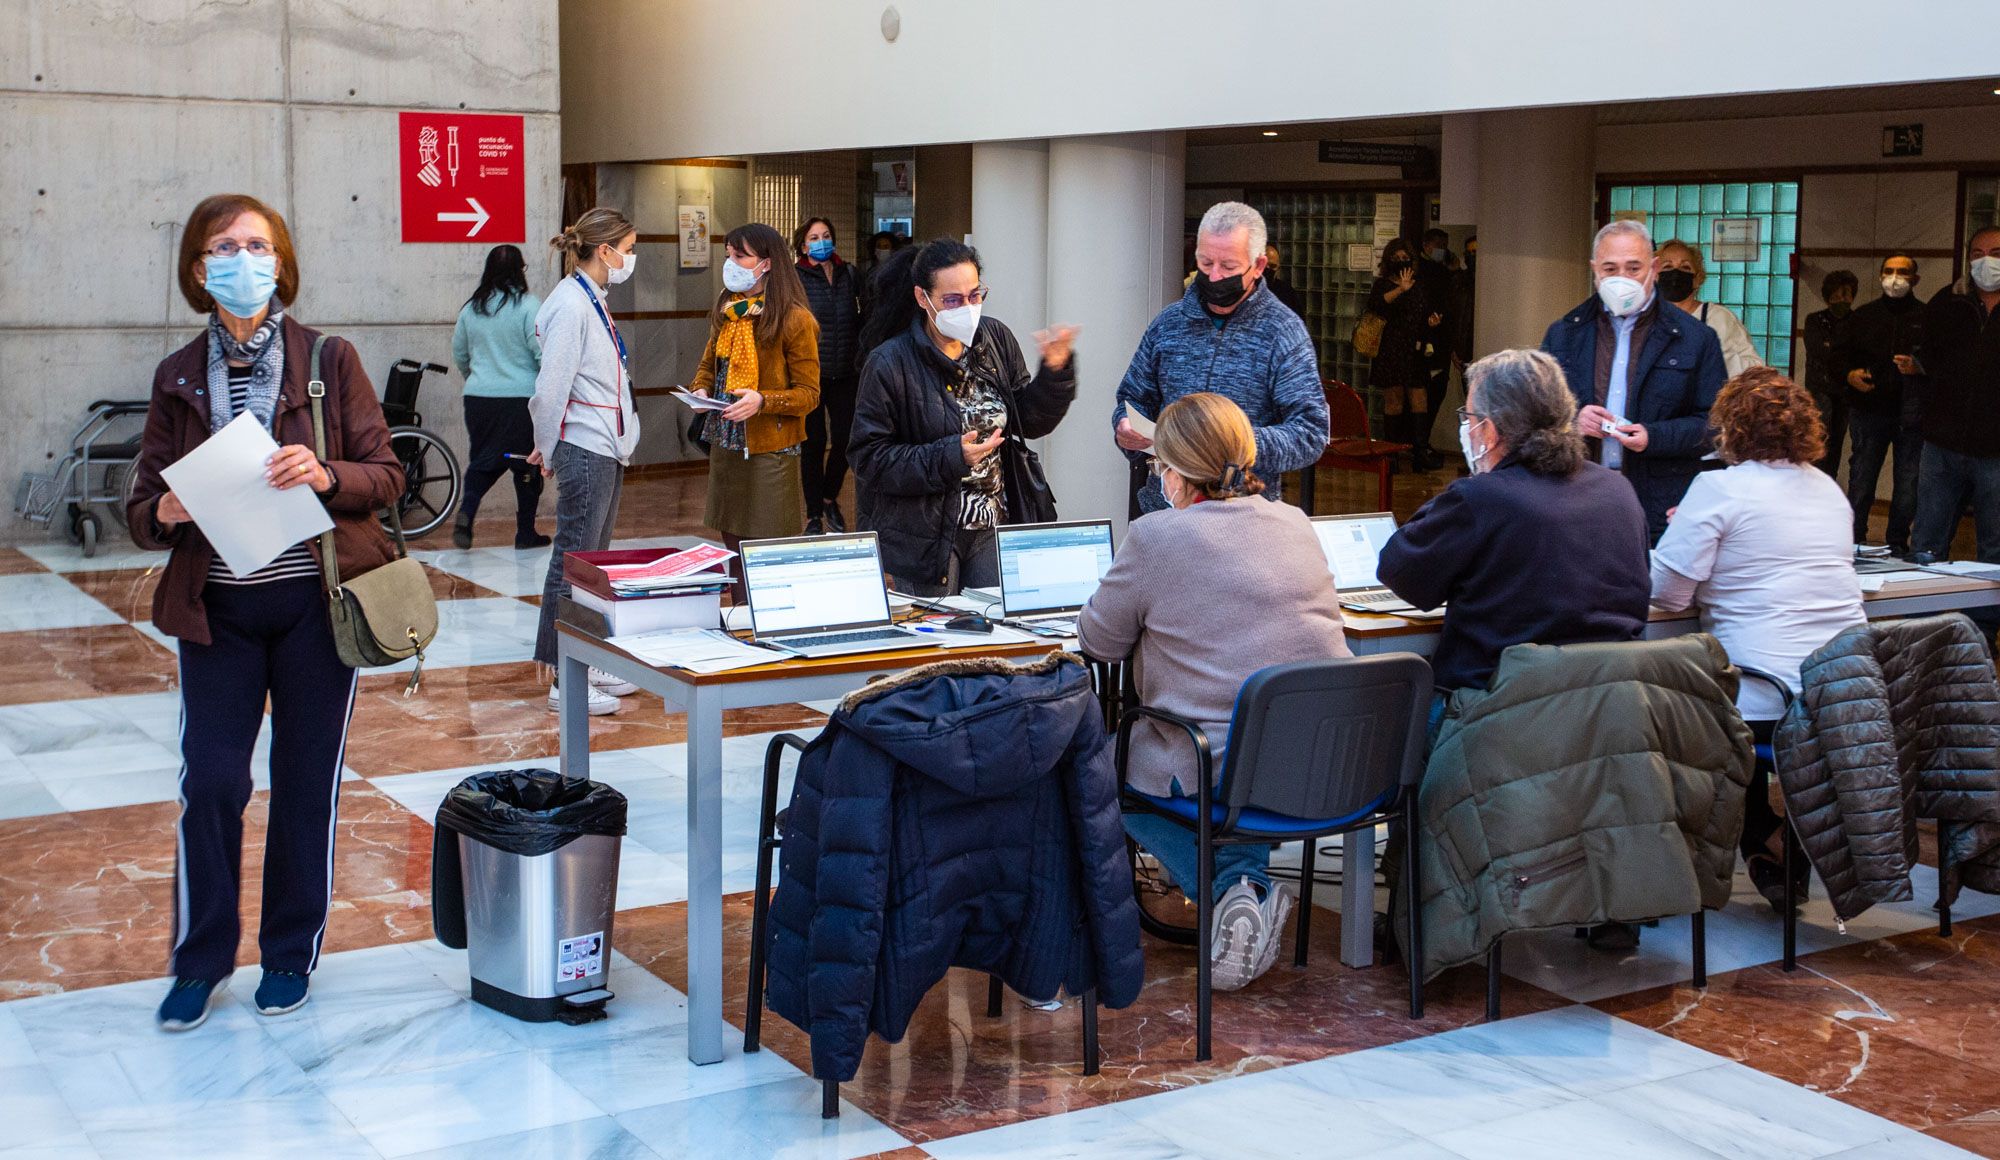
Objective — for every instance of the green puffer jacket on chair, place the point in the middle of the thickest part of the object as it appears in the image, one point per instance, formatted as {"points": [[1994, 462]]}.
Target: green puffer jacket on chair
{"points": [[1591, 783]]}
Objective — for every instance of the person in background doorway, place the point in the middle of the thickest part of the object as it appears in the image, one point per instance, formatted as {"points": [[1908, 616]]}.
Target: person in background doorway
{"points": [[1280, 289], [586, 420], [1884, 413], [762, 358], [1762, 548], [836, 305], [880, 246], [1439, 276], [1825, 332], [1957, 370], [1261, 596], [1400, 374], [495, 349], [1537, 546], [1682, 275], [941, 384], [1642, 371], [1229, 334], [267, 636], [1468, 302]]}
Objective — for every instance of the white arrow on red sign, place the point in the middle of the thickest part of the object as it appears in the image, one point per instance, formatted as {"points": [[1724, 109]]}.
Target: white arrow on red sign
{"points": [[478, 217]]}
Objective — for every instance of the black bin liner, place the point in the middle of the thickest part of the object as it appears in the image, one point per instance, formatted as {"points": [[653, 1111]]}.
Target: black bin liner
{"points": [[522, 811]]}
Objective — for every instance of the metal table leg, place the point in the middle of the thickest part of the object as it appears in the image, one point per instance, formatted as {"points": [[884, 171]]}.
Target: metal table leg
{"points": [[1357, 898]]}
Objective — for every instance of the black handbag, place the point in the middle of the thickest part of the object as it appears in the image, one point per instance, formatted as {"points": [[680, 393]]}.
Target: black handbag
{"points": [[1030, 500]]}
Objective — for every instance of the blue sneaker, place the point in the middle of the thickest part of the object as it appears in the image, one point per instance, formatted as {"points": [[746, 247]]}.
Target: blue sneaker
{"points": [[187, 1004], [281, 991]]}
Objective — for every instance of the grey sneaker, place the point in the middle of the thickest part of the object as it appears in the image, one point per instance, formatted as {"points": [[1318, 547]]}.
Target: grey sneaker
{"points": [[1277, 909], [1241, 929]]}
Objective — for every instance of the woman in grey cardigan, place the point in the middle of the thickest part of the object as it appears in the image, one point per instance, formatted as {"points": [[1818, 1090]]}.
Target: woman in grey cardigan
{"points": [[1205, 594]]}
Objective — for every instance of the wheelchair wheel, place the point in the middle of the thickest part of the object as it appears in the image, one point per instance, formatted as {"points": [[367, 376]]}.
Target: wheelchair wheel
{"points": [[432, 481]]}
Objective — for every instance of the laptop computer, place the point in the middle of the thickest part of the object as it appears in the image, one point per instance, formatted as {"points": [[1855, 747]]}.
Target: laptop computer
{"points": [[821, 596], [1353, 544], [1048, 572]]}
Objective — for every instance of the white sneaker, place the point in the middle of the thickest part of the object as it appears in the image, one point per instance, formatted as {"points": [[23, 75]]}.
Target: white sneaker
{"points": [[1277, 908], [602, 682], [1242, 927], [601, 704]]}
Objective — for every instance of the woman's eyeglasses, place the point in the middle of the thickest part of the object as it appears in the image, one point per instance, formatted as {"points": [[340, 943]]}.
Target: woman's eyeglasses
{"points": [[258, 248], [1465, 416], [955, 301]]}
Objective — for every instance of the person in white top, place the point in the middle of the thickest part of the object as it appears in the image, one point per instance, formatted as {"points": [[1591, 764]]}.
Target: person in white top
{"points": [[1681, 275], [586, 426], [1766, 550]]}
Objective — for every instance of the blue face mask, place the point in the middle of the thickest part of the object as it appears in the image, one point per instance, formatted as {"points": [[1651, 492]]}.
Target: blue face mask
{"points": [[820, 250], [242, 284]]}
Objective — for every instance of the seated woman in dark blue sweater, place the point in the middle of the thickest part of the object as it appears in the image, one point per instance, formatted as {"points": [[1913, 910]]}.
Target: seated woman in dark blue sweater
{"points": [[1537, 546]]}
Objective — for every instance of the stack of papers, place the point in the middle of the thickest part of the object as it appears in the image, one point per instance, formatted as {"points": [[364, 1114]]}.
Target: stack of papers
{"points": [[1875, 581], [698, 650], [1966, 569], [699, 402], [687, 569]]}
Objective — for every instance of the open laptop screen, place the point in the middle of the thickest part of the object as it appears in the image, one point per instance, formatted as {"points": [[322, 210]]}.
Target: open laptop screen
{"points": [[1052, 567], [811, 583], [1352, 545]]}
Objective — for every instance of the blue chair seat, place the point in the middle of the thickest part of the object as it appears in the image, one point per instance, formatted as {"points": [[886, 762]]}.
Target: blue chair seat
{"points": [[1262, 821], [1765, 755]]}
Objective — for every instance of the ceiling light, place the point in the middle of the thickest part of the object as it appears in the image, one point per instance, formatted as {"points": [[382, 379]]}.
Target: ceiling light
{"points": [[1274, 132]]}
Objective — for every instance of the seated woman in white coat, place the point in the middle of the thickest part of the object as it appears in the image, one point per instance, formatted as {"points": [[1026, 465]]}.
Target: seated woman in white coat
{"points": [[1205, 594], [1765, 549]]}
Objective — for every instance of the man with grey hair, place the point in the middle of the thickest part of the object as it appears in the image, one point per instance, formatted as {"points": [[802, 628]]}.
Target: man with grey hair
{"points": [[1643, 372], [1228, 334]]}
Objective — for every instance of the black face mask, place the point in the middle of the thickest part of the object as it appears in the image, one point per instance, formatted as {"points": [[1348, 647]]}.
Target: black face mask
{"points": [[1677, 285], [1224, 293], [1841, 309]]}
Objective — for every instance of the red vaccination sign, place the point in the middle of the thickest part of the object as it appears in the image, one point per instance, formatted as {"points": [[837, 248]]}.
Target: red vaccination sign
{"points": [[463, 177]]}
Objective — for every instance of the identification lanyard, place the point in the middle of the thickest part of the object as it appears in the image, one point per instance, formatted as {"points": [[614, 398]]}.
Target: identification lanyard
{"points": [[624, 364]]}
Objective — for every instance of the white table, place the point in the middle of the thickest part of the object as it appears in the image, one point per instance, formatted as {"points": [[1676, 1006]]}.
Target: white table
{"points": [[703, 699]]}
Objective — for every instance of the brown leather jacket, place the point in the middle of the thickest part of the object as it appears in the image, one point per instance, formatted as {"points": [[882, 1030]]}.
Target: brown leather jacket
{"points": [[358, 452]]}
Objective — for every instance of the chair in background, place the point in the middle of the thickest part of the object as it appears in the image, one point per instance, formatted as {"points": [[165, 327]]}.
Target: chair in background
{"points": [[770, 827], [1315, 749], [1350, 447]]}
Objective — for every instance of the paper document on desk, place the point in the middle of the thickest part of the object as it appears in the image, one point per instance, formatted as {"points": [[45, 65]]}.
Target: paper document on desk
{"points": [[1877, 581], [937, 636], [698, 402], [1965, 569], [248, 522], [698, 650]]}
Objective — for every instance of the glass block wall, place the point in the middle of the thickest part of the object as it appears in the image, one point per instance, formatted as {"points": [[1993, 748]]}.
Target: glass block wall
{"points": [[1760, 292], [1312, 232]]}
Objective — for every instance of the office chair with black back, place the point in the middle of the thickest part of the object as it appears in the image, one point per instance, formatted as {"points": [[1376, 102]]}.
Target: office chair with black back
{"points": [[1315, 749]]}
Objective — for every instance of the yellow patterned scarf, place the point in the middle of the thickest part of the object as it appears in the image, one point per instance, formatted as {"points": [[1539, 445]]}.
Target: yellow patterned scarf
{"points": [[737, 342]]}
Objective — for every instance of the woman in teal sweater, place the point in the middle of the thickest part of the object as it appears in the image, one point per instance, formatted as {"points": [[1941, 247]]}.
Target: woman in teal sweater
{"points": [[495, 348]]}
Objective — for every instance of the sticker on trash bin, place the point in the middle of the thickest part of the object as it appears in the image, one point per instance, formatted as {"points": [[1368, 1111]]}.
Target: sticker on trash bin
{"points": [[580, 957]]}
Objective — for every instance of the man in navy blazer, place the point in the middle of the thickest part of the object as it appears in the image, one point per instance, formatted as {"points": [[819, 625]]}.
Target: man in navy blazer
{"points": [[1644, 373]]}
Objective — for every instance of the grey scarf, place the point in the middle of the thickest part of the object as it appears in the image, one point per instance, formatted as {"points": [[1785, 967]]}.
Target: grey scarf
{"points": [[265, 352]]}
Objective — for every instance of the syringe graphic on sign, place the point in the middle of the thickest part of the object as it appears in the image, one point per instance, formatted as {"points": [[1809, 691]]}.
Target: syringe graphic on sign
{"points": [[427, 155], [451, 155]]}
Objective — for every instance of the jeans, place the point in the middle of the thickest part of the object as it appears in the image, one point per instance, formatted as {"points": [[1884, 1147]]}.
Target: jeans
{"points": [[974, 562], [1876, 436], [267, 640], [587, 490], [1176, 847], [1950, 482]]}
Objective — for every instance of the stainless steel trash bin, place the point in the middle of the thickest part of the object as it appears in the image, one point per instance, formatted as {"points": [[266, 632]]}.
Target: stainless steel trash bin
{"points": [[538, 930]]}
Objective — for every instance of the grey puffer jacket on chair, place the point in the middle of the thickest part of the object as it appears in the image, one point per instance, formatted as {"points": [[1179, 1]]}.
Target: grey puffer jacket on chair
{"points": [[1897, 721]]}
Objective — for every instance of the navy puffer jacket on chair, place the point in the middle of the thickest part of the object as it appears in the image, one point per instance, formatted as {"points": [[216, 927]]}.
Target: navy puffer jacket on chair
{"points": [[963, 814]]}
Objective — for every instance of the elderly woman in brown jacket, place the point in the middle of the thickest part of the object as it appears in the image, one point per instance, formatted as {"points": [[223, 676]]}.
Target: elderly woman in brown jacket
{"points": [[244, 639], [763, 358]]}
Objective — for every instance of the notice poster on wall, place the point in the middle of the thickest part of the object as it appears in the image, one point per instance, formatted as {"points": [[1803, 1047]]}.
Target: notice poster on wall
{"points": [[1735, 239], [694, 237], [1360, 256]]}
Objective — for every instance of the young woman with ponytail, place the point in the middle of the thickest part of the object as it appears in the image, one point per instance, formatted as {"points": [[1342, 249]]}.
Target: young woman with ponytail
{"points": [[586, 426]]}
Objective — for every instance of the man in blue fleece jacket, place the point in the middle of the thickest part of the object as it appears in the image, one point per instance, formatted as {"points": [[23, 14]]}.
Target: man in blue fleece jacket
{"points": [[1229, 334]]}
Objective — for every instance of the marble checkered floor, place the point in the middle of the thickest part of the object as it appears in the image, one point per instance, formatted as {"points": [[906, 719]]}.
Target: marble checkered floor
{"points": [[1883, 1044]]}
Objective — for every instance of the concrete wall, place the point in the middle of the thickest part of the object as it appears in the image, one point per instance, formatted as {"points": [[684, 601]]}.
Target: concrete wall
{"points": [[116, 118]]}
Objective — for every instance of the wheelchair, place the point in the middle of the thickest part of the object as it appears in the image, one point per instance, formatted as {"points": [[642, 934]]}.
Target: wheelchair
{"points": [[96, 473], [433, 480]]}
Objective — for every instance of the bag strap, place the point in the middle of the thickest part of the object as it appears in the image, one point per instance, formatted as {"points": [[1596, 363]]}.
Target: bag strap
{"points": [[329, 560]]}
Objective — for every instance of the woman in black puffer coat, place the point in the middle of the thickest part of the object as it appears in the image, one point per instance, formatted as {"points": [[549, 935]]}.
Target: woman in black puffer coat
{"points": [[938, 387]]}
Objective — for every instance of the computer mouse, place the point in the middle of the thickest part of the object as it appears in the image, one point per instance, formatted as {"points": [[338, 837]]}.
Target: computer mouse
{"points": [[969, 623]]}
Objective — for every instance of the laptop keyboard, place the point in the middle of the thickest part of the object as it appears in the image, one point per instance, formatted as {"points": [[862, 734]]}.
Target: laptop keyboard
{"points": [[862, 637], [1372, 598]]}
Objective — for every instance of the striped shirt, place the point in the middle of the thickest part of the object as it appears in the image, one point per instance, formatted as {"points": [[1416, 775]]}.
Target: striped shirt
{"points": [[297, 562]]}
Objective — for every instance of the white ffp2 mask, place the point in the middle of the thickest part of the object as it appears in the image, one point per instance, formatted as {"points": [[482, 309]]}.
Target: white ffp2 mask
{"points": [[958, 324], [1622, 296]]}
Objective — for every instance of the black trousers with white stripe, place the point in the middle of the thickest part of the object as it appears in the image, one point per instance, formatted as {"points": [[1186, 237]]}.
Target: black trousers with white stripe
{"points": [[268, 640]]}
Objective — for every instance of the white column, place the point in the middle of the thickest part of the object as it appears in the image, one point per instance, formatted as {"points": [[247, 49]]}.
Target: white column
{"points": [[1010, 228], [1458, 169], [1114, 249], [1536, 178]]}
